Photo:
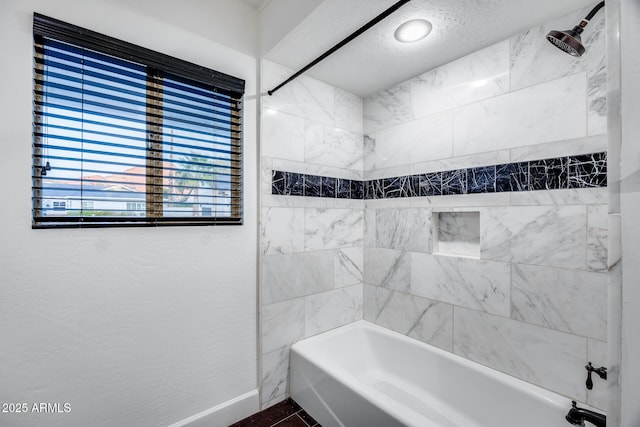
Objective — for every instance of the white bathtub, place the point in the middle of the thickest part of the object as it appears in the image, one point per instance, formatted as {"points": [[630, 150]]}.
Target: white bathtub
{"points": [[365, 375]]}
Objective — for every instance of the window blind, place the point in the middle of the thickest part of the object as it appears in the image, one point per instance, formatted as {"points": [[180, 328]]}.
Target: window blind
{"points": [[124, 136]]}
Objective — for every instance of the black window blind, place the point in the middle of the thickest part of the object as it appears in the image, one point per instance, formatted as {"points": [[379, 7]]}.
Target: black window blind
{"points": [[124, 136]]}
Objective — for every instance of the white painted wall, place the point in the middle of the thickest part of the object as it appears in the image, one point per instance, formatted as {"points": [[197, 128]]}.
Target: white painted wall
{"points": [[278, 17], [132, 327], [233, 23]]}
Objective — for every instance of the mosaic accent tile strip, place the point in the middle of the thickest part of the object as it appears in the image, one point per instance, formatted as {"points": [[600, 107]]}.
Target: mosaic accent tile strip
{"points": [[582, 171]]}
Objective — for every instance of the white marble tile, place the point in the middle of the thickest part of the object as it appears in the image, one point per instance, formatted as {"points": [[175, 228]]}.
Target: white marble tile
{"points": [[269, 403], [420, 140], [420, 318], [294, 275], [456, 233], [574, 196], [369, 154], [348, 266], [370, 227], [480, 75], [283, 324], [282, 135], [387, 172], [316, 169], [535, 60], [565, 300], [375, 297], [266, 170], [476, 284], [331, 146], [387, 108], [547, 112], [544, 235], [480, 159], [349, 114], [331, 309], [614, 239], [585, 145], [551, 359], [333, 228], [454, 201], [475, 160], [271, 74], [275, 376], [282, 230], [269, 200], [597, 224], [304, 97], [408, 229], [388, 268], [598, 396], [597, 101]]}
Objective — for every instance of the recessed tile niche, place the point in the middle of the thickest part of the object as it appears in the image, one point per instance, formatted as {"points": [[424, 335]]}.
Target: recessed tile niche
{"points": [[456, 234]]}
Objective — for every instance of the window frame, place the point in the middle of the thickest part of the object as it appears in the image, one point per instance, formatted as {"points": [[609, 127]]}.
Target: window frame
{"points": [[158, 63]]}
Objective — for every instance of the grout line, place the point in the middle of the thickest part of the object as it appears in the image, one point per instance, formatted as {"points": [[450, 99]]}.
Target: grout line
{"points": [[283, 419], [302, 419], [453, 329]]}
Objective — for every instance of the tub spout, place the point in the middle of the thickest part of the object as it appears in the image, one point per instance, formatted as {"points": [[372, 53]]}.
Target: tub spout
{"points": [[578, 416]]}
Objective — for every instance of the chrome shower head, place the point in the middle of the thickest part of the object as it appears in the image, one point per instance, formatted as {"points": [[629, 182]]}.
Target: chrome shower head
{"points": [[569, 41]]}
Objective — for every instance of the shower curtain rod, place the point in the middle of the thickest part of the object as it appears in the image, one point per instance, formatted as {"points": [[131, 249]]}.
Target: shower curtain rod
{"points": [[352, 36]]}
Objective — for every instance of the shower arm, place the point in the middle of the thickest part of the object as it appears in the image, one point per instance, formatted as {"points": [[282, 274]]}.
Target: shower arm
{"points": [[590, 16], [594, 11], [349, 38]]}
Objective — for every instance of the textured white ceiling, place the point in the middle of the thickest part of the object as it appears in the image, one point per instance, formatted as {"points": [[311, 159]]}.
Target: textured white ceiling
{"points": [[375, 60]]}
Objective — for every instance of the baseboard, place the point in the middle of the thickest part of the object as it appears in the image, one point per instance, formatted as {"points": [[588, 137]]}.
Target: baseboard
{"points": [[224, 414]]}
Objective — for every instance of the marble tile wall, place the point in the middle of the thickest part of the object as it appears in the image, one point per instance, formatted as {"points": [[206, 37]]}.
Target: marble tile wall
{"points": [[531, 298], [507, 136], [312, 259], [517, 93]]}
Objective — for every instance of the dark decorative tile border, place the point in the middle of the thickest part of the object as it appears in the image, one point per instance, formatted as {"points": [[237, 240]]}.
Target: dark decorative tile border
{"points": [[512, 177], [583, 171]]}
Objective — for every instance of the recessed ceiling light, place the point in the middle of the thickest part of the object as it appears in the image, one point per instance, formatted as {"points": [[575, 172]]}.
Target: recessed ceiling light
{"points": [[412, 31]]}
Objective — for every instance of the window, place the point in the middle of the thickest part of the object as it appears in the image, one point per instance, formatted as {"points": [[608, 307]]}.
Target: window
{"points": [[125, 136]]}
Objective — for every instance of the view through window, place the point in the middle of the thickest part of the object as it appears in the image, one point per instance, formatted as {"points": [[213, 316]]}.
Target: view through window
{"points": [[123, 142]]}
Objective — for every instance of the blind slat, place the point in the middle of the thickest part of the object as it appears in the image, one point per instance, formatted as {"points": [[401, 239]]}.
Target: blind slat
{"points": [[171, 145], [135, 113], [217, 116], [124, 140], [50, 146], [40, 116], [104, 162], [134, 81]]}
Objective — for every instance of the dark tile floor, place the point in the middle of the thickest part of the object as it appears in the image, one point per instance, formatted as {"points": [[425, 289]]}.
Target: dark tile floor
{"points": [[284, 414]]}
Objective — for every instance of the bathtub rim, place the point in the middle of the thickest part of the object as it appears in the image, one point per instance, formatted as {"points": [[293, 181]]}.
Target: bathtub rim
{"points": [[305, 349]]}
